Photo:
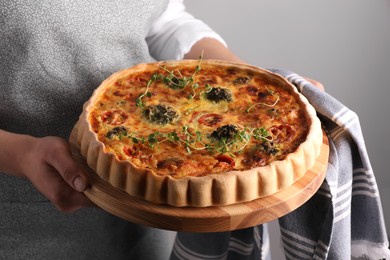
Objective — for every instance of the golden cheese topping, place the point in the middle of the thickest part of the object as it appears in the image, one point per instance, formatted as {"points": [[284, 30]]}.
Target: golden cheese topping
{"points": [[198, 120]]}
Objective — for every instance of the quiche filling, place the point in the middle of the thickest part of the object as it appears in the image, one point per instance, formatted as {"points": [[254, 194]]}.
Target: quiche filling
{"points": [[198, 120]]}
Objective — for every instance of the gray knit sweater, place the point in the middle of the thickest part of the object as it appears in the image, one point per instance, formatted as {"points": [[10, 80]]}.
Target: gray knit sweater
{"points": [[53, 54]]}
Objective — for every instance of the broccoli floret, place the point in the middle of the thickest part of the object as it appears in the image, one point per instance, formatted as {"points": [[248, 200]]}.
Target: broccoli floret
{"points": [[160, 114], [226, 132], [117, 131], [219, 94]]}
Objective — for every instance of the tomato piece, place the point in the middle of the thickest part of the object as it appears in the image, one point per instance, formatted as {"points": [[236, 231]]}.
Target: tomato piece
{"points": [[210, 119], [114, 117], [118, 93], [226, 159], [137, 151], [254, 159], [128, 151], [225, 162], [193, 116], [281, 133], [171, 164]]}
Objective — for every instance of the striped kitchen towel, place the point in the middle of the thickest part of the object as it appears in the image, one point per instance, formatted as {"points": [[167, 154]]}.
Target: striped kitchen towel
{"points": [[343, 220]]}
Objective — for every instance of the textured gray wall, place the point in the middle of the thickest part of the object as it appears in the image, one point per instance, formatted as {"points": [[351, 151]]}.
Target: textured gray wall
{"points": [[344, 44]]}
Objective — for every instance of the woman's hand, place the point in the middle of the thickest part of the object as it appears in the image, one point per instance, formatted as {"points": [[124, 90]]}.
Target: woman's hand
{"points": [[316, 83], [47, 162]]}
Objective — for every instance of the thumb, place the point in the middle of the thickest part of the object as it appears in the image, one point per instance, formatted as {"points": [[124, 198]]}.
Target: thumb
{"points": [[79, 183], [73, 174]]}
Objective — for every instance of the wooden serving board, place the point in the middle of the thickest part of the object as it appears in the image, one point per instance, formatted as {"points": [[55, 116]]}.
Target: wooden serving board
{"points": [[206, 219]]}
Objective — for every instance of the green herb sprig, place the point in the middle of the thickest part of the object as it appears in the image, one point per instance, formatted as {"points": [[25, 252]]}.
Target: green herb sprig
{"points": [[264, 104], [172, 80], [155, 77], [270, 92], [239, 140], [194, 140]]}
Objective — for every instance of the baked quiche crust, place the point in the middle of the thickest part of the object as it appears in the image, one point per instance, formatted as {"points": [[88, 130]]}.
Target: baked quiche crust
{"points": [[224, 188]]}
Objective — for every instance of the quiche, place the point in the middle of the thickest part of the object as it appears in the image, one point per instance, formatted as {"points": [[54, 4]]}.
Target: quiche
{"points": [[198, 132]]}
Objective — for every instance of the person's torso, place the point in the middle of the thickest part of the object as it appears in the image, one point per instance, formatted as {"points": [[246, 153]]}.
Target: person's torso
{"points": [[53, 54]]}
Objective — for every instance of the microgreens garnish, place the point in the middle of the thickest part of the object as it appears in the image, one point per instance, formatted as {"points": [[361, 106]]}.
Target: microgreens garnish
{"points": [[174, 80], [228, 139], [263, 104], [261, 134], [269, 92], [178, 81], [239, 140], [193, 140], [154, 78]]}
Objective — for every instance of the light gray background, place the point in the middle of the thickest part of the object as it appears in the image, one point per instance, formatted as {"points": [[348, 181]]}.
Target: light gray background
{"points": [[344, 44]]}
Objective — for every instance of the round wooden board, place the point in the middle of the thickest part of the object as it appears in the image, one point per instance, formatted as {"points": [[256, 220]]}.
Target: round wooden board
{"points": [[207, 219]]}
